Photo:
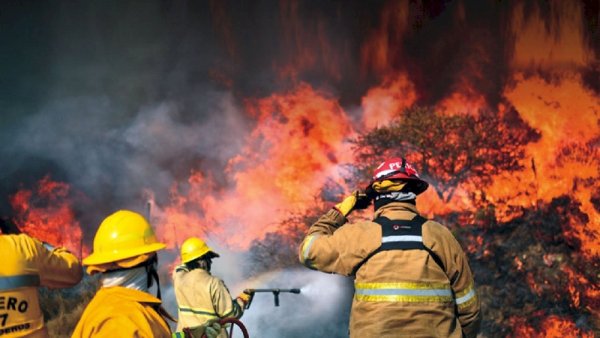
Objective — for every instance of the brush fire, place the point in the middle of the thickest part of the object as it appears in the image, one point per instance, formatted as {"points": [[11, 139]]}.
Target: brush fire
{"points": [[242, 122]]}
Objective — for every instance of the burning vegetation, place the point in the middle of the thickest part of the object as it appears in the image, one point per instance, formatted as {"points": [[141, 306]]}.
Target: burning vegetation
{"points": [[496, 104]]}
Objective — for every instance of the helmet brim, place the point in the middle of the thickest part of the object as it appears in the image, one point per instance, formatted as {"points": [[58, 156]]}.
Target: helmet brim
{"points": [[117, 255]]}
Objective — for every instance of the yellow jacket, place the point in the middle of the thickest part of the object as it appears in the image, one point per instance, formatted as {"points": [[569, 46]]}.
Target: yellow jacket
{"points": [[121, 312], [202, 297], [26, 265], [398, 293]]}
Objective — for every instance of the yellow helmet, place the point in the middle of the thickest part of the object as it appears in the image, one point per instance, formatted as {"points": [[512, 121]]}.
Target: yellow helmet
{"points": [[124, 234], [193, 248]]}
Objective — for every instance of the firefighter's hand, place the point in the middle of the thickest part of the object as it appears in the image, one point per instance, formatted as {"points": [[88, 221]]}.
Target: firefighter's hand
{"points": [[246, 298], [213, 330], [356, 201]]}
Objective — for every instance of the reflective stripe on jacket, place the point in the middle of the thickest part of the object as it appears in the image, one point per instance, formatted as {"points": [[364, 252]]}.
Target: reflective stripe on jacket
{"points": [[121, 312], [26, 265], [397, 292], [202, 297]]}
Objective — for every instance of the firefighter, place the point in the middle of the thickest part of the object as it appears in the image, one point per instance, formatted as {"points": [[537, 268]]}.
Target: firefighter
{"points": [[411, 276], [27, 264], [125, 254], [201, 297]]}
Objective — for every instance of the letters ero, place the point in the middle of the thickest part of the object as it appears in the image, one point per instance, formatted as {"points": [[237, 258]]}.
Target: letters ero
{"points": [[11, 304]]}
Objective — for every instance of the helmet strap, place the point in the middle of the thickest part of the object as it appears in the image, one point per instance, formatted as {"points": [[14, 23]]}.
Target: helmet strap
{"points": [[150, 266], [383, 199]]}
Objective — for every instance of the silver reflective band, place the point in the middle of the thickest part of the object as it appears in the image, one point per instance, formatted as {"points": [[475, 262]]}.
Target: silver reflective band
{"points": [[13, 282], [466, 297], [404, 292], [407, 238]]}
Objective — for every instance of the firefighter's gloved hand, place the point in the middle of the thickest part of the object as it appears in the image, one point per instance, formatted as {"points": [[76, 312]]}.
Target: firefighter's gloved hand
{"points": [[246, 298], [213, 330], [356, 201]]}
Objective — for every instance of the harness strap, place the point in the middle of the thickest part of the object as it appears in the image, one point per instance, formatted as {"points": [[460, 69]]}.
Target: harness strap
{"points": [[401, 235], [13, 282]]}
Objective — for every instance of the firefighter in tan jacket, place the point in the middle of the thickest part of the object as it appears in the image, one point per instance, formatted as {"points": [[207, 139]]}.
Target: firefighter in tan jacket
{"points": [[27, 264], [411, 277], [125, 254], [202, 298]]}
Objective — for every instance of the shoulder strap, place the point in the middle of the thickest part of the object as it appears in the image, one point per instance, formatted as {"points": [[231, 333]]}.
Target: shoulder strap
{"points": [[401, 235]]}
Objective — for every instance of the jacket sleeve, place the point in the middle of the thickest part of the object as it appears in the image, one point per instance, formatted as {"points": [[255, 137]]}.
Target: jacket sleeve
{"points": [[329, 247], [224, 305], [468, 304], [58, 268]]}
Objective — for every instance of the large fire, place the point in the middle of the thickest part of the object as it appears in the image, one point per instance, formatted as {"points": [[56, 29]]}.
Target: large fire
{"points": [[298, 144], [45, 212], [292, 153]]}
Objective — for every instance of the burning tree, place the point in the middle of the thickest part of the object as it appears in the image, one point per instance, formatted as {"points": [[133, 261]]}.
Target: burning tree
{"points": [[450, 149], [532, 275]]}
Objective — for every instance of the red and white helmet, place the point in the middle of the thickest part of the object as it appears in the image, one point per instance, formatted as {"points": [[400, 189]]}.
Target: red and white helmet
{"points": [[398, 169]]}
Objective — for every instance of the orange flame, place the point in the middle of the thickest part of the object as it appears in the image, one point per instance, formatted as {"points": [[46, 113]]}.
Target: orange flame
{"points": [[46, 213], [579, 285], [551, 327], [380, 50], [307, 45], [294, 150], [381, 104], [564, 161]]}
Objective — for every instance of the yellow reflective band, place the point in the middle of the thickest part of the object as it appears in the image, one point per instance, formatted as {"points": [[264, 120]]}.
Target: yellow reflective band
{"points": [[306, 246], [466, 297], [183, 310], [411, 292], [404, 299], [402, 285]]}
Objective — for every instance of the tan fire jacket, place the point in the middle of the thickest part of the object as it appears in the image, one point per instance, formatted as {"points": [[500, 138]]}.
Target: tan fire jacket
{"points": [[398, 293], [27, 264], [202, 297], [117, 311]]}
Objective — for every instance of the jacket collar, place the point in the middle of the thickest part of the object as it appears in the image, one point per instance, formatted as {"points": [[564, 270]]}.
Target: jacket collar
{"points": [[130, 294], [396, 206]]}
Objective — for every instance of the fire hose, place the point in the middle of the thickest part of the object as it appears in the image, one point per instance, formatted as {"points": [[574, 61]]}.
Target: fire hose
{"points": [[236, 322]]}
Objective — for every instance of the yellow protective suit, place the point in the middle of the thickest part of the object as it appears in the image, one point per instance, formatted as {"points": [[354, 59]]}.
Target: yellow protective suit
{"points": [[121, 312], [26, 265], [398, 293], [201, 297]]}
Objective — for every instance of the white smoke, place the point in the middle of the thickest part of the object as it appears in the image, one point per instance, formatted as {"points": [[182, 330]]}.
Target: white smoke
{"points": [[321, 309]]}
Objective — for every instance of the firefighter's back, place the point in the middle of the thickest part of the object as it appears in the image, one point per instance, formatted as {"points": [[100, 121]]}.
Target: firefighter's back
{"points": [[26, 265], [121, 312], [403, 293], [194, 291]]}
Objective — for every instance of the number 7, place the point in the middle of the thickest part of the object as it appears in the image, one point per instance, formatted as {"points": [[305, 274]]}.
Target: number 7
{"points": [[4, 317]]}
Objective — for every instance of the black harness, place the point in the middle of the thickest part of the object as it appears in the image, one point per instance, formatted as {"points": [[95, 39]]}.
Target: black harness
{"points": [[401, 235]]}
